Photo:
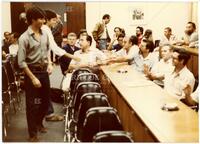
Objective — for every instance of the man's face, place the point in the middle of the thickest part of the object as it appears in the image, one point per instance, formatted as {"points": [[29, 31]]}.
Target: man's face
{"points": [[175, 60], [52, 22], [38, 23], [143, 47], [165, 52], [107, 20], [126, 43], [138, 32], [83, 42], [117, 32], [7, 35], [120, 41], [71, 40], [12, 40], [189, 29], [167, 33]]}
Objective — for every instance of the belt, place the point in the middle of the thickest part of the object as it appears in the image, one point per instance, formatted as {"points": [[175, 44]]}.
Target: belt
{"points": [[38, 67]]}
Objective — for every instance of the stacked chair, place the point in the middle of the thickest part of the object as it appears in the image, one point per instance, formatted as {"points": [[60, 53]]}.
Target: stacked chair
{"points": [[10, 91], [89, 116]]}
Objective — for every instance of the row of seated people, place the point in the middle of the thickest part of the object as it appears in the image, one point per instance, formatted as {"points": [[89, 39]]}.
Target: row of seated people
{"points": [[89, 116], [165, 66]]}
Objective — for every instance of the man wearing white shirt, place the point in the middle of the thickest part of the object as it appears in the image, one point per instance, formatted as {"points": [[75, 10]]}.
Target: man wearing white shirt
{"points": [[13, 48], [128, 52], [51, 21], [90, 58], [177, 82], [146, 59], [168, 37], [161, 68]]}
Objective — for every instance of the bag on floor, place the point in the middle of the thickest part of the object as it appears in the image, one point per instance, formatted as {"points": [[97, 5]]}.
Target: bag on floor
{"points": [[57, 95]]}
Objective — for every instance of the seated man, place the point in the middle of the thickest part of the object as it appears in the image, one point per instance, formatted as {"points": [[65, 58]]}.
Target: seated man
{"points": [[90, 58], [128, 52], [146, 59], [69, 48], [168, 37], [117, 46], [191, 36], [164, 66], [177, 82], [139, 34]]}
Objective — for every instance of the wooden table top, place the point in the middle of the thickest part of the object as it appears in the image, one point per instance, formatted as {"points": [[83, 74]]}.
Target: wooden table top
{"points": [[146, 99]]}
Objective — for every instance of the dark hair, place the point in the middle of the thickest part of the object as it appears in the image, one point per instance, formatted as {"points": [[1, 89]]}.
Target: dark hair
{"points": [[106, 16], [82, 31], [50, 14], [141, 29], [120, 36], [15, 35], [118, 28], [169, 29], [89, 39], [34, 13], [149, 45], [148, 32], [193, 24], [6, 32], [133, 39], [183, 55]]}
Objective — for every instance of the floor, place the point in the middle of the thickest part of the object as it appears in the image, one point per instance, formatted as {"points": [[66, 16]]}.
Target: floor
{"points": [[17, 130]]}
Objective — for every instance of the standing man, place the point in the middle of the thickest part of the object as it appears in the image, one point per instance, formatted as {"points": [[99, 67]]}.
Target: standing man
{"points": [[100, 33], [33, 58]]}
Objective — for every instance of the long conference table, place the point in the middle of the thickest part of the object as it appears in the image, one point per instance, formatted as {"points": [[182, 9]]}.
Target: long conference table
{"points": [[139, 101]]}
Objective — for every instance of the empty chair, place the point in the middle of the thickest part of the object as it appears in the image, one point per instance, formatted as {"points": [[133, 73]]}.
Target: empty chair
{"points": [[90, 100], [82, 88], [99, 119], [74, 77], [112, 136], [86, 77]]}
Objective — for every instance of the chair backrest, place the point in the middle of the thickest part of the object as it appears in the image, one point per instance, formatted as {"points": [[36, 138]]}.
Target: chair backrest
{"points": [[99, 119], [10, 72], [5, 81], [85, 77], [112, 136], [157, 43], [75, 75], [82, 88], [88, 101]]}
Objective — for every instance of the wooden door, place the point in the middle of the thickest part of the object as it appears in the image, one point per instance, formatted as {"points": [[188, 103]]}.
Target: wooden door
{"points": [[75, 16]]}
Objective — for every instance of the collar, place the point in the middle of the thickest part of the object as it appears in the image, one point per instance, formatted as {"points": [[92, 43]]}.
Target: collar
{"points": [[180, 72], [31, 32]]}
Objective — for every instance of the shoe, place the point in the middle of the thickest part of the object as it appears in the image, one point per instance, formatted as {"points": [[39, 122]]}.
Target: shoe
{"points": [[33, 139], [55, 118], [42, 129]]}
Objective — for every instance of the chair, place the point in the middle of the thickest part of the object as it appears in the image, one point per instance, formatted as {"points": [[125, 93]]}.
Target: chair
{"points": [[82, 88], [99, 119], [88, 101], [74, 77], [13, 83], [112, 136], [86, 77], [157, 43]]}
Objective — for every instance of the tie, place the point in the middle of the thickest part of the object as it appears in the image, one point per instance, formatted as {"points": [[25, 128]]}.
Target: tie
{"points": [[107, 35]]}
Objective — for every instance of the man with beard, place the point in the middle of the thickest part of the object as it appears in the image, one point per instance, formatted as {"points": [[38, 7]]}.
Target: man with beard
{"points": [[191, 36]]}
